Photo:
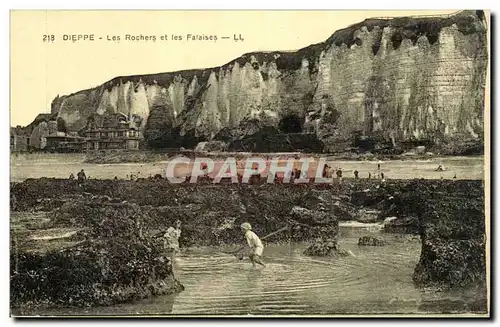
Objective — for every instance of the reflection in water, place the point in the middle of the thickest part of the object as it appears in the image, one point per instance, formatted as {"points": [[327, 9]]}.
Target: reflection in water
{"points": [[376, 280]]}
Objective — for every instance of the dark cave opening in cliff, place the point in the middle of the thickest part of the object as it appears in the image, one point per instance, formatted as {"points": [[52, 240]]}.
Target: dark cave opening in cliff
{"points": [[290, 124]]}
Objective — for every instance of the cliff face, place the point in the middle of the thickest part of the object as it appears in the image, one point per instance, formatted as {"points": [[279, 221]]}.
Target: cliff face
{"points": [[403, 78]]}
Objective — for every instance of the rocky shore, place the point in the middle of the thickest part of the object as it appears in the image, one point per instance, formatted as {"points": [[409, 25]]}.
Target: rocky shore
{"points": [[99, 241]]}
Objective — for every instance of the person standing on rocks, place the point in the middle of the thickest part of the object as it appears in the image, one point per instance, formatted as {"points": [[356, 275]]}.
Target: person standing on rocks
{"points": [[81, 177], [171, 242], [356, 174]]}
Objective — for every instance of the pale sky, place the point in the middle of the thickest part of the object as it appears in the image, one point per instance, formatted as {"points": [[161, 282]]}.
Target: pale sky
{"points": [[41, 70]]}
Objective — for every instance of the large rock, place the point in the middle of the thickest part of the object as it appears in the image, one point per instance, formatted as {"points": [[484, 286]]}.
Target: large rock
{"points": [[202, 208], [453, 234], [345, 211]]}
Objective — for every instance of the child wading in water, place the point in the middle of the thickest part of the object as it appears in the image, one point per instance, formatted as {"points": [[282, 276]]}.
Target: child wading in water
{"points": [[254, 243]]}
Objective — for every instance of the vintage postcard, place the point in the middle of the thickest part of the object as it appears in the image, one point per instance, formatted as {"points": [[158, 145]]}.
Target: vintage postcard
{"points": [[249, 163]]}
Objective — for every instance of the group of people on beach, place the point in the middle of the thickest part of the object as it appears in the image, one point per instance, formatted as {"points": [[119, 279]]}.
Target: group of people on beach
{"points": [[328, 172]]}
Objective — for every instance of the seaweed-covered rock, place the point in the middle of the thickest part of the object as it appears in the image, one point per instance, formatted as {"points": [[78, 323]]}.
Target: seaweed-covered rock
{"points": [[90, 274], [451, 263], [211, 146], [367, 197], [452, 230], [312, 218], [371, 241], [322, 227], [107, 260], [345, 211]]}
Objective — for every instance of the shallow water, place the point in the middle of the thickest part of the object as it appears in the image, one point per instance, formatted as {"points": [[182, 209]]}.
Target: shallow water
{"points": [[375, 280], [62, 165]]}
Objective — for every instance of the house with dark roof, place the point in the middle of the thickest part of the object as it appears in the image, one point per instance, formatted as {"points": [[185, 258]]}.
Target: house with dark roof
{"points": [[123, 137], [64, 143]]}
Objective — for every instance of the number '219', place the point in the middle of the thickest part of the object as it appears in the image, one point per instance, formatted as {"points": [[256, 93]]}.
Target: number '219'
{"points": [[49, 38]]}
